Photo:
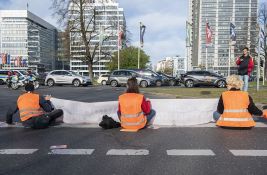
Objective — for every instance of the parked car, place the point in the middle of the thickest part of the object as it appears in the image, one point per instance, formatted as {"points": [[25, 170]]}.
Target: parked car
{"points": [[120, 77], [159, 80], [3, 76], [102, 79], [169, 80], [197, 78], [66, 77]]}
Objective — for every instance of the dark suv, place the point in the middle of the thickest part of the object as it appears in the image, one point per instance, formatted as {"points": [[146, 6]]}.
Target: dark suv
{"points": [[169, 80], [159, 80], [197, 78], [120, 77]]}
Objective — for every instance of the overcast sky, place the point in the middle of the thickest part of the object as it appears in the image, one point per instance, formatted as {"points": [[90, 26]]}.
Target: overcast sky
{"points": [[165, 21]]}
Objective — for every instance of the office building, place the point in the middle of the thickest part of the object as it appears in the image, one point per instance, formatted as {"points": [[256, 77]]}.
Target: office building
{"points": [[26, 41]]}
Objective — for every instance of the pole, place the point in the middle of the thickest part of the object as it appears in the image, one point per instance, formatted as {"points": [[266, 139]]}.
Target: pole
{"points": [[99, 56], [229, 60], [263, 73], [258, 61], [138, 60], [206, 58], [118, 39]]}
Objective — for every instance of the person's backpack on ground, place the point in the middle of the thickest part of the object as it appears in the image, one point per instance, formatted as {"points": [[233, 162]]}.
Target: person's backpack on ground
{"points": [[109, 123]]}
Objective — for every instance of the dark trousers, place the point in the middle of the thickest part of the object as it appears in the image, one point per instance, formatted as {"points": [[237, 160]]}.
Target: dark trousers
{"points": [[43, 121]]}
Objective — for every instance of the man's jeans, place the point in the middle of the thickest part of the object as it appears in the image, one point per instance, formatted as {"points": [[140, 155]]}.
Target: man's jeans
{"points": [[245, 79]]}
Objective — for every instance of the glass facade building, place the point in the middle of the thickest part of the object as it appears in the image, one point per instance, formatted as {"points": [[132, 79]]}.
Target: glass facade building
{"points": [[219, 14], [29, 41], [108, 16]]}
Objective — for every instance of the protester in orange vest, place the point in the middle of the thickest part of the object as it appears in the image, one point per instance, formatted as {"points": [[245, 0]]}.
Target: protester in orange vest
{"points": [[236, 107], [35, 110], [134, 109]]}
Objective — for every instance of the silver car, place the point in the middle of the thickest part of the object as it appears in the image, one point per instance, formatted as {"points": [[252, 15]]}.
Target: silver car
{"points": [[66, 77], [120, 77]]}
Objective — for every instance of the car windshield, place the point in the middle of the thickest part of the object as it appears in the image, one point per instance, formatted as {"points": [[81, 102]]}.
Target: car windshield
{"points": [[74, 73]]}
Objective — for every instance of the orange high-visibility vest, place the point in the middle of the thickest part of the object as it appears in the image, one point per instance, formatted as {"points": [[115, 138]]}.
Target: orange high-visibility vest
{"points": [[235, 112], [29, 107], [132, 116]]}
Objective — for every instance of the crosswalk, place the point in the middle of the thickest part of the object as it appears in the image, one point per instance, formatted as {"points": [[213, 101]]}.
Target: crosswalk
{"points": [[136, 152]]}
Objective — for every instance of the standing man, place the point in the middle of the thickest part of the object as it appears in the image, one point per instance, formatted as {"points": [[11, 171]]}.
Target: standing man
{"points": [[245, 67]]}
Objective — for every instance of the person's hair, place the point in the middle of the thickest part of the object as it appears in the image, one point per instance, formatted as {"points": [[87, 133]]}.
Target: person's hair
{"points": [[246, 48], [132, 86], [234, 81], [29, 87]]}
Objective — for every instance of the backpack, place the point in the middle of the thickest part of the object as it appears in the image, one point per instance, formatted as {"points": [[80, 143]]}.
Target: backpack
{"points": [[109, 123]]}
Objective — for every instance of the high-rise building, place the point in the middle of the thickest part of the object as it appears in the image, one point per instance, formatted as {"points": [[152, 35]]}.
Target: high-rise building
{"points": [[27, 41], [108, 15], [219, 14]]}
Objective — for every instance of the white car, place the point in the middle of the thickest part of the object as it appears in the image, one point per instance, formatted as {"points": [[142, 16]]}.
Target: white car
{"points": [[66, 77], [103, 79]]}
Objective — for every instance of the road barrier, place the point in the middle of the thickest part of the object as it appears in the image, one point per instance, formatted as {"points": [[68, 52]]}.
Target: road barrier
{"points": [[169, 112]]}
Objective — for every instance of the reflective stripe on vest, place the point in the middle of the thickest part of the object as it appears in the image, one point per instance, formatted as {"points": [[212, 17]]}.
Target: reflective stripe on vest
{"points": [[235, 119], [31, 113], [235, 110], [132, 115], [134, 124]]}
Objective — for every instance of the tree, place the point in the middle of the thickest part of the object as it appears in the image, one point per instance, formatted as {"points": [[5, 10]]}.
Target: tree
{"points": [[80, 18], [128, 59], [168, 70], [263, 23]]}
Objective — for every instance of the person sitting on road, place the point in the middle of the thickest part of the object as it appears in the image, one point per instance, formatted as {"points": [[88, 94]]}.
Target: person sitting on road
{"points": [[35, 110], [134, 110], [236, 107]]}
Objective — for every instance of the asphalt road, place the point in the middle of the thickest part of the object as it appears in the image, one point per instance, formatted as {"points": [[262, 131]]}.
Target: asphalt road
{"points": [[191, 150]]}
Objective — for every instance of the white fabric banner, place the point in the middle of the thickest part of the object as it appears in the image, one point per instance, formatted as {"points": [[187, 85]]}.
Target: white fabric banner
{"points": [[170, 112]]}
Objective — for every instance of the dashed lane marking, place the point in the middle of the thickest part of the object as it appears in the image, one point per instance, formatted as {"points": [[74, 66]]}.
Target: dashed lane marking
{"points": [[255, 153], [190, 152], [128, 152], [72, 151], [17, 151]]}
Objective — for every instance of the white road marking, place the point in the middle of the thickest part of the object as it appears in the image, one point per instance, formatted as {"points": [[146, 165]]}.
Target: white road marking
{"points": [[262, 153], [190, 152], [72, 151], [128, 152], [17, 151]]}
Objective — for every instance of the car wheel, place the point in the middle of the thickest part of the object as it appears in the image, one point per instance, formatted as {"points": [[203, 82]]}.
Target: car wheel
{"points": [[143, 84], [1, 82], [158, 83], [172, 83], [189, 83], [104, 82], [114, 83], [221, 84], [76, 83], [50, 82]]}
